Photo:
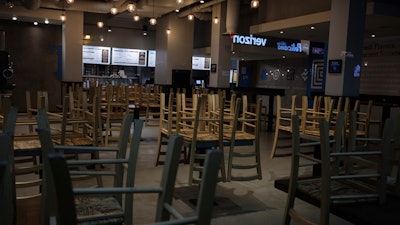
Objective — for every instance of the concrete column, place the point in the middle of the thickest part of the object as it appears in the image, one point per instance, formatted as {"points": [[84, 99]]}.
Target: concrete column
{"points": [[220, 49], [346, 39], [72, 33], [174, 50]]}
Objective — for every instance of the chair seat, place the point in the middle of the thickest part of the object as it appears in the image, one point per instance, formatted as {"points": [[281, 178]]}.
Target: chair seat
{"points": [[91, 206], [364, 191]]}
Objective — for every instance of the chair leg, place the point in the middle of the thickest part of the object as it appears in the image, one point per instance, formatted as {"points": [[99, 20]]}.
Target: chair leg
{"points": [[275, 143]]}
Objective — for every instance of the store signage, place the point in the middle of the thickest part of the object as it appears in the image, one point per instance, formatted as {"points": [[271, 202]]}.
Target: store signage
{"points": [[201, 63], [249, 40], [96, 54], [294, 47]]}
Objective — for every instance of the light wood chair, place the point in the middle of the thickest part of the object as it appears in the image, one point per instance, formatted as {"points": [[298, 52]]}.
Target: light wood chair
{"points": [[151, 102], [245, 131], [198, 137], [282, 122], [166, 213], [168, 126], [335, 186]]}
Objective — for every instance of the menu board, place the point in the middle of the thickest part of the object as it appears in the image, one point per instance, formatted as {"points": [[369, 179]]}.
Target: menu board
{"points": [[128, 57], [201, 63], [152, 59], [96, 54]]}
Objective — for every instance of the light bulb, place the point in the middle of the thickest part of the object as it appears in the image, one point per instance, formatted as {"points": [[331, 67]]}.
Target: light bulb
{"points": [[153, 21], [136, 17], [216, 20], [100, 24], [114, 10], [63, 17], [69, 1], [190, 17], [131, 7], [254, 3], [179, 1], [168, 31]]}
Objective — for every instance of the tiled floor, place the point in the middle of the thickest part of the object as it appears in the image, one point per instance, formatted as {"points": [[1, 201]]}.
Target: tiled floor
{"points": [[263, 203]]}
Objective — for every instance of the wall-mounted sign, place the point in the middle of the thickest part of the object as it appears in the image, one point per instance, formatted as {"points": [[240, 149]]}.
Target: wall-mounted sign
{"points": [[335, 66], [151, 62], [201, 63], [303, 46], [128, 57], [96, 54], [249, 40]]}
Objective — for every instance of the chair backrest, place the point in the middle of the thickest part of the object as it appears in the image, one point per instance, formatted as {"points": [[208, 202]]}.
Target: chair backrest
{"points": [[7, 182]]}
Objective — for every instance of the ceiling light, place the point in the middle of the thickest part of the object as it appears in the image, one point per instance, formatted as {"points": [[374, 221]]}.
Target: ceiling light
{"points": [[190, 17], [109, 29], [87, 37], [312, 28], [144, 33], [136, 17], [100, 24], [35, 23], [14, 18], [114, 10], [101, 38], [10, 4], [179, 1], [254, 4], [216, 20], [168, 31], [373, 35], [46, 21], [284, 57], [63, 17], [281, 32], [69, 1], [131, 7], [153, 21], [201, 1], [177, 10]]}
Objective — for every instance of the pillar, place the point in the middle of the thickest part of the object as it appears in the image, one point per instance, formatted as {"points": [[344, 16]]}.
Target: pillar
{"points": [[220, 48], [72, 33], [346, 39], [174, 50]]}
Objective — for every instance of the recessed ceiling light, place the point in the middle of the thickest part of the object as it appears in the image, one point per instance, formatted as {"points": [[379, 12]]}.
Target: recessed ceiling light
{"points": [[177, 10], [284, 57], [35, 23], [312, 28], [202, 1], [373, 35], [46, 21], [281, 32], [14, 18]]}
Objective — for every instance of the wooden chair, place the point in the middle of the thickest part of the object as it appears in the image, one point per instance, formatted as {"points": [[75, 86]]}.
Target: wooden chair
{"points": [[151, 102], [165, 214], [7, 188], [168, 126], [282, 121], [335, 186], [117, 105], [245, 131], [193, 126], [25, 177], [87, 205], [310, 117]]}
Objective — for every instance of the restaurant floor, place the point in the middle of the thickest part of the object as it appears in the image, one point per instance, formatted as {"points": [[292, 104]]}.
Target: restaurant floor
{"points": [[237, 202]]}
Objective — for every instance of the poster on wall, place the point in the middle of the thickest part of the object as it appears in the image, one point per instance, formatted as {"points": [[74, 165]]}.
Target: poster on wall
{"points": [[128, 57], [151, 62], [96, 54], [201, 63]]}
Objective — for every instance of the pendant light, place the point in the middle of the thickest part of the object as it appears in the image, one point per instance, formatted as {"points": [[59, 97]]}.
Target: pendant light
{"points": [[114, 10], [153, 20], [254, 4], [131, 7]]}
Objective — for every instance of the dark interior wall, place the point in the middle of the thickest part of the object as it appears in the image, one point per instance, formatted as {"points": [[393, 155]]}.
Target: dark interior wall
{"points": [[35, 52]]}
